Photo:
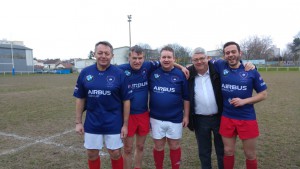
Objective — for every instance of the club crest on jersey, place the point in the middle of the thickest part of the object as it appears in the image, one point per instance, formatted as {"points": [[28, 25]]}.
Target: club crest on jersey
{"points": [[110, 79], [243, 74], [127, 72], [156, 76], [225, 72], [174, 78], [89, 78], [144, 71]]}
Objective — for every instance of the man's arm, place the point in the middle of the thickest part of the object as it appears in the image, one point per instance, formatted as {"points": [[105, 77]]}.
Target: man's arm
{"points": [[251, 100], [80, 103], [183, 69], [186, 105], [126, 111]]}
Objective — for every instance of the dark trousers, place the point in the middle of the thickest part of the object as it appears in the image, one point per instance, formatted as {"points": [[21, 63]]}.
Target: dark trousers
{"points": [[204, 127]]}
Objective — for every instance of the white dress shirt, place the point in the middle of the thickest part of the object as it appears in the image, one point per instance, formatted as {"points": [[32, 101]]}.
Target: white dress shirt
{"points": [[205, 101]]}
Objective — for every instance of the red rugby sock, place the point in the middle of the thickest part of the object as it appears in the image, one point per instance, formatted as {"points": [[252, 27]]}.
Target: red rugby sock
{"points": [[158, 158], [117, 164], [228, 162], [251, 164], [175, 156], [94, 164]]}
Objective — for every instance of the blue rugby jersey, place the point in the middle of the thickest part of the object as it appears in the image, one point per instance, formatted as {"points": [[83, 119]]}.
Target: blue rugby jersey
{"points": [[105, 92], [238, 83], [168, 90], [138, 79]]}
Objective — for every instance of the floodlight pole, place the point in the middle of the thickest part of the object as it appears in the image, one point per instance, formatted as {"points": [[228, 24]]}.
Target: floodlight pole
{"points": [[129, 20], [12, 58]]}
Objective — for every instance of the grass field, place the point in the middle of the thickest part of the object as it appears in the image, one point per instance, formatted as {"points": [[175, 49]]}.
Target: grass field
{"points": [[37, 126]]}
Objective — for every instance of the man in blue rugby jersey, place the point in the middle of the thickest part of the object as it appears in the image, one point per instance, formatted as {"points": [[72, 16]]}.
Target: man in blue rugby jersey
{"points": [[137, 72], [238, 117], [169, 108], [104, 91]]}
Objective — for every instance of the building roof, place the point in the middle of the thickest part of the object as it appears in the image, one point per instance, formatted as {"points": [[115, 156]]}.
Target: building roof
{"points": [[52, 61], [8, 46]]}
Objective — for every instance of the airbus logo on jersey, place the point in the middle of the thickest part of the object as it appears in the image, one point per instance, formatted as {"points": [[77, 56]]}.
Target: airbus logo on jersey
{"points": [[229, 87], [89, 78], [97, 93], [163, 89], [138, 85], [225, 72]]}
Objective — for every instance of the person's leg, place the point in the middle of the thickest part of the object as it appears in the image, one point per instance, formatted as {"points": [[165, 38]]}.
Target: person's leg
{"points": [[94, 161], [229, 149], [249, 146], [139, 149], [128, 151], [218, 142], [93, 143], [158, 152], [203, 136], [175, 152], [116, 158], [228, 131], [248, 132], [114, 144], [143, 129]]}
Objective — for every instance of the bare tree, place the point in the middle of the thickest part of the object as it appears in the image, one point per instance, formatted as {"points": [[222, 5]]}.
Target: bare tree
{"points": [[294, 48], [256, 47], [91, 55], [144, 45], [182, 54]]}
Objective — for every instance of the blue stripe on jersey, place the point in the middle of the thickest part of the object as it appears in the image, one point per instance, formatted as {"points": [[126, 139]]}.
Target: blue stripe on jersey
{"points": [[168, 90], [238, 83], [138, 79], [105, 92]]}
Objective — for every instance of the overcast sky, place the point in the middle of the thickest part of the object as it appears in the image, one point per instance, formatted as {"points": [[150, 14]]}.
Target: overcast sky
{"points": [[70, 28]]}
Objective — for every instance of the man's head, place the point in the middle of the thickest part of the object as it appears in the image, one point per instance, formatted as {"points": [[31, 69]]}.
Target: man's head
{"points": [[232, 54], [200, 60], [136, 57], [167, 58], [103, 54]]}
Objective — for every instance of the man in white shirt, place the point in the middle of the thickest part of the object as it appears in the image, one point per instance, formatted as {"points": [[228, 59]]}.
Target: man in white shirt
{"points": [[205, 108]]}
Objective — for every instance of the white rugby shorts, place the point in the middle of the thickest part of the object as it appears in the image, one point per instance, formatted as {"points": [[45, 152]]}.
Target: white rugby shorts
{"points": [[161, 129], [95, 141]]}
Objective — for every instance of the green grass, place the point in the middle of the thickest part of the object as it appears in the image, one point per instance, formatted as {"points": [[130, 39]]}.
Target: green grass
{"points": [[286, 69], [38, 107]]}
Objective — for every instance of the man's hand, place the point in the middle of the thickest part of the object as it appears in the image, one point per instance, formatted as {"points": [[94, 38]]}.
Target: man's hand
{"points": [[249, 66], [79, 128], [236, 102], [186, 72], [185, 121], [124, 132]]}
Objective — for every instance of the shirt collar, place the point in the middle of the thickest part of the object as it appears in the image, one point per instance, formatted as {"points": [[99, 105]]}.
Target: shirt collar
{"points": [[205, 74]]}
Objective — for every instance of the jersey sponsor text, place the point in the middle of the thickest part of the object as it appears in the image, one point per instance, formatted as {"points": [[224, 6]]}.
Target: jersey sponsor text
{"points": [[163, 89]]}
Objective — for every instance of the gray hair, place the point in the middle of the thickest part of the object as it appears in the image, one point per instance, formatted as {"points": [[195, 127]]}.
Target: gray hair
{"points": [[199, 50]]}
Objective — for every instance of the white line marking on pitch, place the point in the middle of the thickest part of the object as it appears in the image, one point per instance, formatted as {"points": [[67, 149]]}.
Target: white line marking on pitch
{"points": [[44, 140]]}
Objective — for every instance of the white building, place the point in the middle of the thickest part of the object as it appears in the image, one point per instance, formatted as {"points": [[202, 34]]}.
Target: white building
{"points": [[120, 55], [15, 55], [79, 64]]}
